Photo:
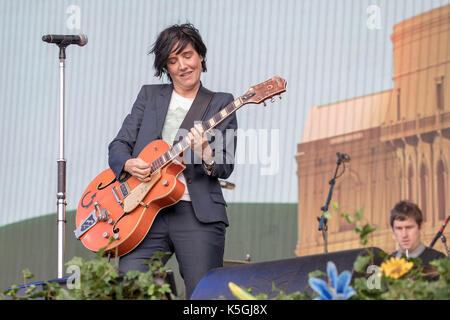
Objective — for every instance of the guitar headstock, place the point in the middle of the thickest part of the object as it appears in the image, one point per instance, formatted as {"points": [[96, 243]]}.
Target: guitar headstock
{"points": [[264, 90]]}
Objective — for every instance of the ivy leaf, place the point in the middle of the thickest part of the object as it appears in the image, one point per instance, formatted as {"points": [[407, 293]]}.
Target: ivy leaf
{"points": [[335, 205], [27, 275], [348, 217], [316, 274], [364, 232], [367, 229], [75, 261], [359, 214], [383, 255], [273, 286], [360, 263]]}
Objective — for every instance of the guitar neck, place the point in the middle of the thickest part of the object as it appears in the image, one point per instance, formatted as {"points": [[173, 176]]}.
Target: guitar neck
{"points": [[184, 144], [256, 94]]}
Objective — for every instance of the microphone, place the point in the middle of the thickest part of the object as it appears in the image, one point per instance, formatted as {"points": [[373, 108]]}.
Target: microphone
{"points": [[227, 185], [343, 157], [65, 40], [441, 230]]}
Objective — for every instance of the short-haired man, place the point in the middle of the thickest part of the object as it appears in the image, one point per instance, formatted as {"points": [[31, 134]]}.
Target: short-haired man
{"points": [[406, 222]]}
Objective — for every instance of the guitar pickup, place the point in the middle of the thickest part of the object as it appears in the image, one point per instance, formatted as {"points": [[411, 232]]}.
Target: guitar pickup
{"points": [[124, 189], [86, 224]]}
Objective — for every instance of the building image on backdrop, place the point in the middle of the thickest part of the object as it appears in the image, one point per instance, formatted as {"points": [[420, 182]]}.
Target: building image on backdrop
{"points": [[398, 141]]}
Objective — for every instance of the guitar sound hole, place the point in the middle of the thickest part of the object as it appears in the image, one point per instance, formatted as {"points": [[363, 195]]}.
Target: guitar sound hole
{"points": [[101, 187]]}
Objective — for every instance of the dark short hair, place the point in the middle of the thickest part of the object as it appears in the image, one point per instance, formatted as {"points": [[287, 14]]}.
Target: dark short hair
{"points": [[406, 209], [168, 38]]}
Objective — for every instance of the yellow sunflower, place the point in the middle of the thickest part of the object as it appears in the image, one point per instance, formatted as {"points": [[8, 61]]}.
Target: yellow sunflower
{"points": [[395, 267]]}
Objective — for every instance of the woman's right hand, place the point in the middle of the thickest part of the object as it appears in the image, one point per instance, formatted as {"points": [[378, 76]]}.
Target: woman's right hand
{"points": [[138, 168]]}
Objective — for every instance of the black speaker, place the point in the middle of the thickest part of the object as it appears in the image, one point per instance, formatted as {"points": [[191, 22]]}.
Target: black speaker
{"points": [[288, 275]]}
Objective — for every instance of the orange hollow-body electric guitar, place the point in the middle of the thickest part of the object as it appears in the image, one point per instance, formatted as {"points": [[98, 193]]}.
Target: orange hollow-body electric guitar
{"points": [[117, 215]]}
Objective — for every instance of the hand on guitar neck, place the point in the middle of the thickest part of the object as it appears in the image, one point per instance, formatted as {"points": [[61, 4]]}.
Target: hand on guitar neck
{"points": [[199, 143]]}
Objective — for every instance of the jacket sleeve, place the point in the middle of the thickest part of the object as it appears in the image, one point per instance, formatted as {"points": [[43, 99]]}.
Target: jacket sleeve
{"points": [[121, 148]]}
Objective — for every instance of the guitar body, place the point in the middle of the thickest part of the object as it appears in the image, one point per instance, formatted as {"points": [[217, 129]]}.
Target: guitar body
{"points": [[101, 205]]}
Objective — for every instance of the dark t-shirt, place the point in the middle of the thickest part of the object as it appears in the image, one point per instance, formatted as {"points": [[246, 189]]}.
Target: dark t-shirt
{"points": [[429, 255]]}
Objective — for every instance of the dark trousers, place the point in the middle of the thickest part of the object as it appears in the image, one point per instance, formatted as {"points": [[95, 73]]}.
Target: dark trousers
{"points": [[198, 246]]}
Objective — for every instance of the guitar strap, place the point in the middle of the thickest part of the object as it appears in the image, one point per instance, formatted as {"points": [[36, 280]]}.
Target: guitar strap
{"points": [[196, 111]]}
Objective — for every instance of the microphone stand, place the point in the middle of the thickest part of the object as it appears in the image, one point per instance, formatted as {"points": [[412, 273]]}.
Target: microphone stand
{"points": [[62, 42], [444, 241], [322, 220], [61, 191]]}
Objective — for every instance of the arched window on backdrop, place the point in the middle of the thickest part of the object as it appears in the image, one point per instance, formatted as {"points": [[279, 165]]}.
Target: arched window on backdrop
{"points": [[441, 179], [424, 185], [410, 182]]}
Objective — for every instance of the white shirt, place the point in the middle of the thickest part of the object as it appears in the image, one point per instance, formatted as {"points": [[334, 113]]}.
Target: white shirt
{"points": [[178, 108]]}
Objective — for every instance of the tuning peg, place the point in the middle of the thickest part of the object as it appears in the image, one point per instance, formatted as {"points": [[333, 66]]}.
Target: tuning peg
{"points": [[279, 96], [272, 99], [264, 103]]}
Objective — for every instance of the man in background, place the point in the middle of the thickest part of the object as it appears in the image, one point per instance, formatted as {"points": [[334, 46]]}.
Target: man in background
{"points": [[406, 222]]}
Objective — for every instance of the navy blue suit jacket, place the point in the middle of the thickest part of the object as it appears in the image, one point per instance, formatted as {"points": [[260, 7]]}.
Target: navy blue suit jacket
{"points": [[145, 123]]}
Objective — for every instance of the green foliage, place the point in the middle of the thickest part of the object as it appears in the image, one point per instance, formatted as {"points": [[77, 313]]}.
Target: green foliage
{"points": [[327, 215], [361, 263], [443, 268], [362, 228], [420, 283], [316, 274], [283, 296], [99, 280], [368, 258], [49, 290]]}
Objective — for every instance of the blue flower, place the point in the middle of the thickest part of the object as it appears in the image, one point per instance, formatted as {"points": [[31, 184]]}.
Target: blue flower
{"points": [[337, 287]]}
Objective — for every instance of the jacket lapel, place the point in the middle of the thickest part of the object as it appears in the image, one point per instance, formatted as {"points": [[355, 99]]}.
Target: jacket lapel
{"points": [[162, 105]]}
